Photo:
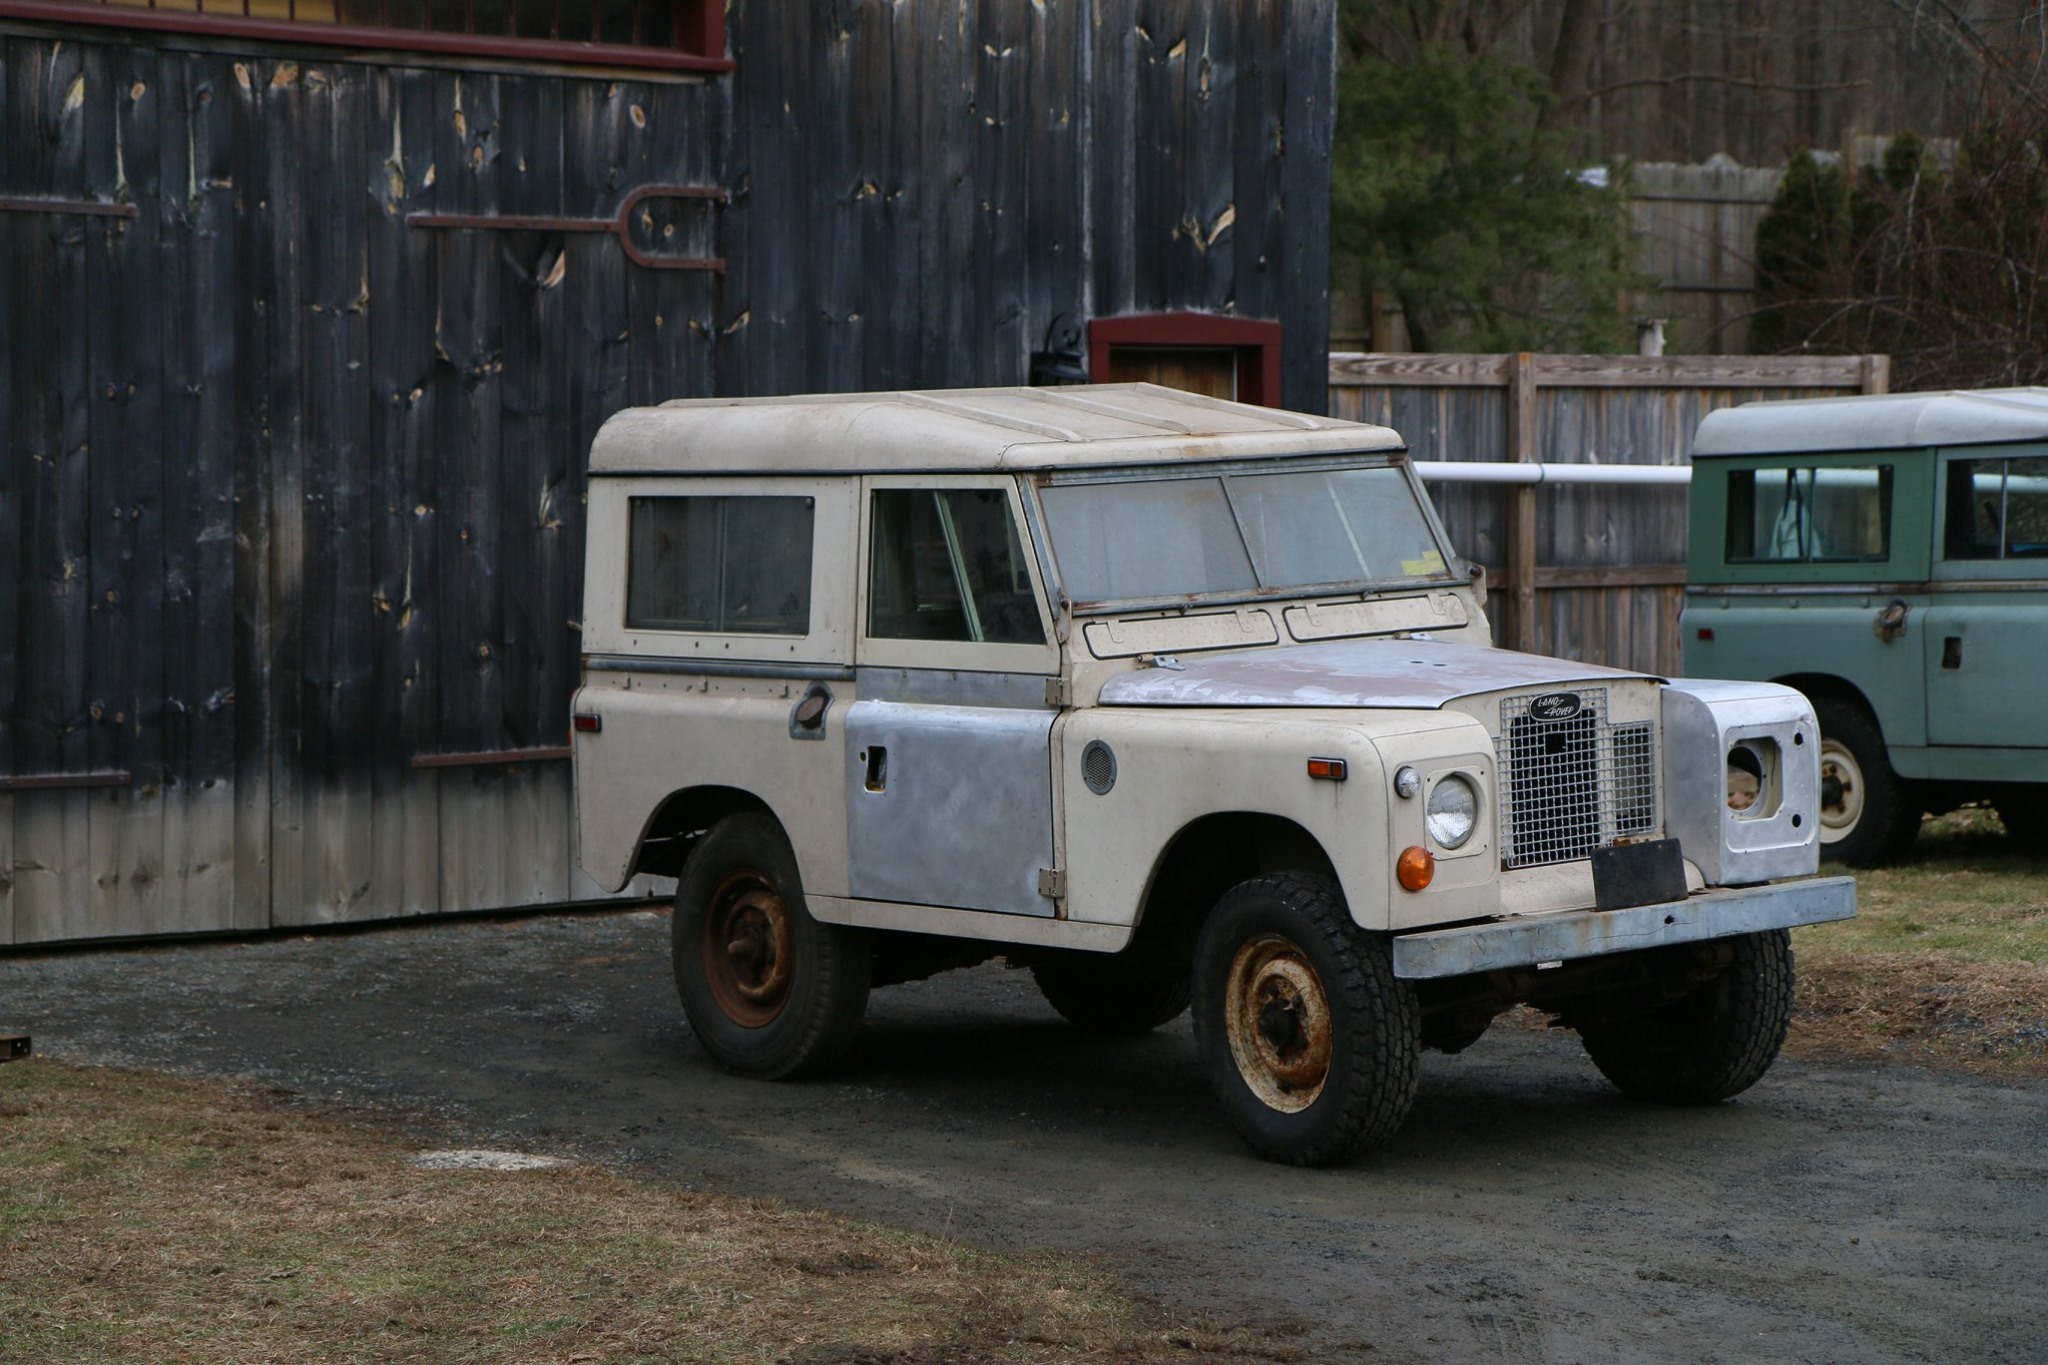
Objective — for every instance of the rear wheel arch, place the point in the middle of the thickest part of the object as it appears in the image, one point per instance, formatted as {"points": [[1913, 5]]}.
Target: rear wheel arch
{"points": [[672, 828]]}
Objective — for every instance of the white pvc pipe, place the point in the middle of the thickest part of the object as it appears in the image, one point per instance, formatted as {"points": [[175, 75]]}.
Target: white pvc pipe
{"points": [[1495, 471]]}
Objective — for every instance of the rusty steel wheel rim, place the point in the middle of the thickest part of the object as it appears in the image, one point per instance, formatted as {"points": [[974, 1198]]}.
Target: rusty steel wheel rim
{"points": [[748, 949], [1277, 1018]]}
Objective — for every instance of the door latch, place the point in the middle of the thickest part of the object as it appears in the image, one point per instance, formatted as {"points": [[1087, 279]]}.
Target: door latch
{"points": [[1891, 622]]}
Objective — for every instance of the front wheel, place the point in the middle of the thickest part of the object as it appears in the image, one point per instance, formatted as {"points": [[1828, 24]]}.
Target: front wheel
{"points": [[1313, 1046], [768, 990], [1713, 1042], [1869, 816]]}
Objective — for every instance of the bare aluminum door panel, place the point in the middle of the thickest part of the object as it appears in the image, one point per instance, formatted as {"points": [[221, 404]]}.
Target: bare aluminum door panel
{"points": [[963, 813]]}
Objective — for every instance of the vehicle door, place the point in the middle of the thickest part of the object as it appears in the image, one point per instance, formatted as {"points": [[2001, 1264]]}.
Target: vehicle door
{"points": [[949, 747], [1986, 641], [1813, 566]]}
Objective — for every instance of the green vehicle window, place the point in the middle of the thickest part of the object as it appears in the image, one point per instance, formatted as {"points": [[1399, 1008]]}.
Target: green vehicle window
{"points": [[1840, 514], [1997, 509]]}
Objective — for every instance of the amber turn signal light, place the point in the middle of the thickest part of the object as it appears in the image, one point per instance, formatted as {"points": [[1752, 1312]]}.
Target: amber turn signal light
{"points": [[1329, 769], [1415, 868]]}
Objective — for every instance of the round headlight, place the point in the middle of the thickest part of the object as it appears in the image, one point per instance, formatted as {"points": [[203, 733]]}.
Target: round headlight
{"points": [[1453, 811]]}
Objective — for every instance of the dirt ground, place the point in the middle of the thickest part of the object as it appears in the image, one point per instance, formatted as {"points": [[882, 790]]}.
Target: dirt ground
{"points": [[1526, 1213]]}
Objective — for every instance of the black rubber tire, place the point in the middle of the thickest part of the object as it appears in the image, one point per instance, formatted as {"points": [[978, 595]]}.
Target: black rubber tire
{"points": [[1883, 809], [814, 1015], [1710, 1044], [1112, 993], [1374, 1029], [2025, 814]]}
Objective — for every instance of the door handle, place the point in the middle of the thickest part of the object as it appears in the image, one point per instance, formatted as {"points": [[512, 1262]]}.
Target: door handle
{"points": [[1891, 622]]}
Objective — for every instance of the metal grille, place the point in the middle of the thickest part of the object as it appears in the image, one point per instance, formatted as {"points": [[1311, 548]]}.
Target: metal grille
{"points": [[1574, 783]]}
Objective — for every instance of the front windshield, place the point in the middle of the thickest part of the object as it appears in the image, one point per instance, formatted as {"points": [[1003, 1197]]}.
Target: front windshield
{"points": [[1147, 540]]}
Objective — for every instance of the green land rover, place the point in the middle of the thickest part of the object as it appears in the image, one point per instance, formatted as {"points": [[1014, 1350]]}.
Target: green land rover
{"points": [[1888, 556]]}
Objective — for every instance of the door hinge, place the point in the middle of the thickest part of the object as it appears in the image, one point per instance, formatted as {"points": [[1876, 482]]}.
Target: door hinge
{"points": [[1052, 883], [1058, 692]]}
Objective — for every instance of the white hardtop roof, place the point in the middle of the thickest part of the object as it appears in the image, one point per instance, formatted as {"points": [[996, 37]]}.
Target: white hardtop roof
{"points": [[1895, 421], [962, 430]]}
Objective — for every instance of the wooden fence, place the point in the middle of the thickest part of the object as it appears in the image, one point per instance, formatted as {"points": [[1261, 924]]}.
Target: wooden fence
{"points": [[1697, 229], [1583, 572]]}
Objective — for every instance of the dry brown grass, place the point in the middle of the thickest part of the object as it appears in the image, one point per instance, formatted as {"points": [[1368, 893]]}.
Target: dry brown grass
{"points": [[1945, 964], [146, 1218]]}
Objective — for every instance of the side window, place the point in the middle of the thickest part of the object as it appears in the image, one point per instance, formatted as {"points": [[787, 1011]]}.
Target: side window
{"points": [[948, 565], [1997, 509], [1840, 514], [720, 565]]}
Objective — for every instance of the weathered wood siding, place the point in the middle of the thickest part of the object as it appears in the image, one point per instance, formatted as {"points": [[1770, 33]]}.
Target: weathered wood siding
{"points": [[1592, 573], [292, 493]]}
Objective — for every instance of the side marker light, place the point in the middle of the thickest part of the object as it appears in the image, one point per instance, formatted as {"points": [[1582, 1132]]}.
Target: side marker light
{"points": [[1329, 769], [1415, 868], [588, 724]]}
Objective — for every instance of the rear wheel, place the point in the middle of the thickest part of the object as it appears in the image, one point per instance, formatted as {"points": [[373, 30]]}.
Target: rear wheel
{"points": [[1713, 1042], [1313, 1046], [1869, 816], [768, 990]]}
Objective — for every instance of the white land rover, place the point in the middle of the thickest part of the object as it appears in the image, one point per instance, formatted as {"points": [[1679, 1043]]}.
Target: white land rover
{"points": [[1168, 699]]}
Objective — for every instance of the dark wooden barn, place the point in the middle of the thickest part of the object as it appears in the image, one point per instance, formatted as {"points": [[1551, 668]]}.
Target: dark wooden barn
{"points": [[312, 307]]}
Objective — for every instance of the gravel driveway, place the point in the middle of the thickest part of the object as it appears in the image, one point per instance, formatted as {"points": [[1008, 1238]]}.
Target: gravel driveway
{"points": [[1525, 1213]]}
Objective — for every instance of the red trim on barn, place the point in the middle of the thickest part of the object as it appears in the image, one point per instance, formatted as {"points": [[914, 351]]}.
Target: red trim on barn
{"points": [[699, 30], [1257, 345]]}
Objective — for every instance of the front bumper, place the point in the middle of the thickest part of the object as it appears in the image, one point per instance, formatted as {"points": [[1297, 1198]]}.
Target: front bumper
{"points": [[1569, 934]]}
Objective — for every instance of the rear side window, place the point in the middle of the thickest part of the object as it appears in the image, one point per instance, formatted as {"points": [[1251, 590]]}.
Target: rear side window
{"points": [[1840, 515], [1997, 509], [720, 565]]}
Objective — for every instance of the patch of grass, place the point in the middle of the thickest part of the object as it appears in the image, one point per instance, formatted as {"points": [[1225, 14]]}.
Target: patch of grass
{"points": [[1946, 962], [147, 1218]]}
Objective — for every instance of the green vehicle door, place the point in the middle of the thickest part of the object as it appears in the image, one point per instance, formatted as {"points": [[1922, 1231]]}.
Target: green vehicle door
{"points": [[1794, 562], [1985, 639]]}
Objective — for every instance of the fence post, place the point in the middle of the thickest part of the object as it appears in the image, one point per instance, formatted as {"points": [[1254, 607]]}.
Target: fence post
{"points": [[1877, 374], [1522, 501]]}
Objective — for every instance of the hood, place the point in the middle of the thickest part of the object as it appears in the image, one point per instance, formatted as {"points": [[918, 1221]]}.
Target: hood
{"points": [[1375, 673]]}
